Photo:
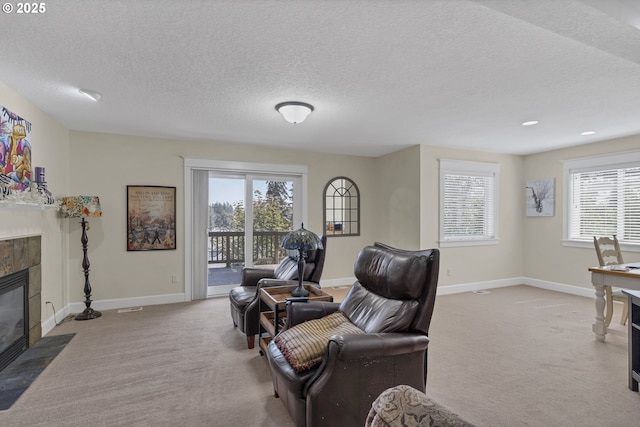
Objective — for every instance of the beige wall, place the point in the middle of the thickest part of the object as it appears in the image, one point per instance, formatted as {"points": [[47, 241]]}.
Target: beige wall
{"points": [[50, 145], [397, 194], [118, 161], [472, 264], [545, 257]]}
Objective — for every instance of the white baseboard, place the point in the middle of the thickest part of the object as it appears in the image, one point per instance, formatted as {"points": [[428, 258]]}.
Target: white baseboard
{"points": [[470, 287], [51, 322], [110, 304], [491, 284], [442, 290], [77, 307], [560, 287], [334, 283]]}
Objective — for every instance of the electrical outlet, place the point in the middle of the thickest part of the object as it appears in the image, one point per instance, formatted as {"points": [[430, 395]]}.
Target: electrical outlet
{"points": [[449, 272], [174, 279]]}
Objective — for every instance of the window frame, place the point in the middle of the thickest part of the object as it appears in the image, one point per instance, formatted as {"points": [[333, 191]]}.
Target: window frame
{"points": [[475, 169], [602, 162]]}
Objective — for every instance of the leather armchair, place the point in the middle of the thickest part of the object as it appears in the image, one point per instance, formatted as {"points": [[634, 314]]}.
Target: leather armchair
{"points": [[392, 302], [243, 299]]}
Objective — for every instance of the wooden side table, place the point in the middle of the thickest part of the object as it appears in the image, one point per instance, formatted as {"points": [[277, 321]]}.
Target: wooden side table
{"points": [[634, 338], [275, 299]]}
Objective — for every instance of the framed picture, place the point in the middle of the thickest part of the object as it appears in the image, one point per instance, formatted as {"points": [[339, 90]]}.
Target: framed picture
{"points": [[151, 218], [15, 152], [540, 196]]}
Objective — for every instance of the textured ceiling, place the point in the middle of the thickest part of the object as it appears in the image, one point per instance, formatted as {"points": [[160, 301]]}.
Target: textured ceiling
{"points": [[382, 75]]}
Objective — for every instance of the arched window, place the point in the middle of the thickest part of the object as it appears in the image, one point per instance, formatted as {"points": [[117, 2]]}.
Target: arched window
{"points": [[341, 207]]}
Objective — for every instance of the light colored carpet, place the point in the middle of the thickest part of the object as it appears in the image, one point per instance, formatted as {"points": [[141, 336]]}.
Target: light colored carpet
{"points": [[167, 365], [517, 356], [523, 356]]}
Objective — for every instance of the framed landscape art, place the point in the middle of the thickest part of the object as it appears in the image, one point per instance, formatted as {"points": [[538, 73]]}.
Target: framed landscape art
{"points": [[151, 218]]}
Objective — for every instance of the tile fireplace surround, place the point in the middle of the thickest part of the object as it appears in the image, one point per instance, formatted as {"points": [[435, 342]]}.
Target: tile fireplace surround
{"points": [[22, 253]]}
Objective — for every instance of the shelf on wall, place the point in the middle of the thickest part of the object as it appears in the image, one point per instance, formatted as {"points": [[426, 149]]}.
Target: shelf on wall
{"points": [[25, 206]]}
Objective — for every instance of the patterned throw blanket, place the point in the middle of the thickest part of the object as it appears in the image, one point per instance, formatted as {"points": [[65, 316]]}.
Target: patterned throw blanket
{"points": [[303, 345], [404, 406]]}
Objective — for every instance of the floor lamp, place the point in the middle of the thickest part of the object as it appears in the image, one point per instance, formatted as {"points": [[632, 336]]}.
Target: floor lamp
{"points": [[83, 207], [301, 240]]}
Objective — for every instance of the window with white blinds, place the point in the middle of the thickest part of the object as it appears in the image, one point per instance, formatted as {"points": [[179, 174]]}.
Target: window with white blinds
{"points": [[468, 203], [604, 197]]}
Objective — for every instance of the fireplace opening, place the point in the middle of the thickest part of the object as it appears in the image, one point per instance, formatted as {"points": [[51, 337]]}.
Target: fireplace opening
{"points": [[14, 316]]}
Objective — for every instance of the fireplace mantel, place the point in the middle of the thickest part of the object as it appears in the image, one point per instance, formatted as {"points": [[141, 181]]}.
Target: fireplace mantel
{"points": [[25, 206]]}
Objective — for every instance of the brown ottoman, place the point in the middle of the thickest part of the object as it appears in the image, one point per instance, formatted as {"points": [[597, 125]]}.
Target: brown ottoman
{"points": [[404, 406]]}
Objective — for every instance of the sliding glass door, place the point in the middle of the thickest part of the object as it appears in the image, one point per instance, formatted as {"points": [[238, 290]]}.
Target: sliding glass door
{"points": [[248, 216]]}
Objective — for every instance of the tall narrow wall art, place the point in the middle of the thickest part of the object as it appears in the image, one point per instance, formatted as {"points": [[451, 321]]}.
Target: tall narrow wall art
{"points": [[15, 151]]}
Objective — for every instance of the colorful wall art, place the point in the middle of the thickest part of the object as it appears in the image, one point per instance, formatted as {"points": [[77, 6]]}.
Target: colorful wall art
{"points": [[15, 151]]}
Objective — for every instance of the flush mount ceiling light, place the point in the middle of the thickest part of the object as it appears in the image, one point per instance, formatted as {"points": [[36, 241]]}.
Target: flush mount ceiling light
{"points": [[588, 132], [294, 112], [530, 123], [91, 94]]}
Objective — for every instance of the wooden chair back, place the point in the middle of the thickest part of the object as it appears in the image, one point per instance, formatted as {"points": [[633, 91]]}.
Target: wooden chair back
{"points": [[608, 250]]}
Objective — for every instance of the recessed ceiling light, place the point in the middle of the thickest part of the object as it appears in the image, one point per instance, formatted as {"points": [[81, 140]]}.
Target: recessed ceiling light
{"points": [[91, 94], [530, 123], [588, 132]]}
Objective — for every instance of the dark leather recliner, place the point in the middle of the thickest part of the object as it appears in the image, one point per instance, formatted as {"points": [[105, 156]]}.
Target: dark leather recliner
{"points": [[244, 298], [392, 302]]}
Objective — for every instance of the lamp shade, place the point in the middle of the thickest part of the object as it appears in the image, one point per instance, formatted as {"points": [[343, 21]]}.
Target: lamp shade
{"points": [[294, 112], [302, 240], [80, 206]]}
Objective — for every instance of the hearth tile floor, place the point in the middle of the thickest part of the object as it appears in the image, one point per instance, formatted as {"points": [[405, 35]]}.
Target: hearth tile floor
{"points": [[18, 376]]}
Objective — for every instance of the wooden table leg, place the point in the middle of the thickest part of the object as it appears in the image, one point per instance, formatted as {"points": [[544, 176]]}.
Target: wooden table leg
{"points": [[599, 328]]}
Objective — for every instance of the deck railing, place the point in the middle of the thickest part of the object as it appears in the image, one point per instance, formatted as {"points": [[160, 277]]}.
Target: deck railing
{"points": [[227, 247]]}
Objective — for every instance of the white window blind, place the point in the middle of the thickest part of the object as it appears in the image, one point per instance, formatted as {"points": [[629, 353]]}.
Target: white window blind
{"points": [[468, 202], [606, 202], [603, 197]]}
